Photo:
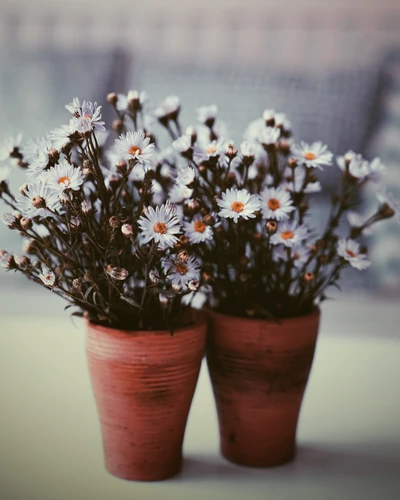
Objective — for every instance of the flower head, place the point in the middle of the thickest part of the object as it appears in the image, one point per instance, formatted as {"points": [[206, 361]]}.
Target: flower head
{"points": [[276, 203], [186, 176], [268, 136], [238, 203], [289, 234], [10, 146], [312, 155], [299, 254], [183, 146], [64, 176], [388, 199], [87, 113], [207, 114], [47, 276], [133, 101], [63, 135], [181, 273], [160, 225], [206, 150], [134, 145], [197, 231], [38, 199], [168, 109], [350, 251]]}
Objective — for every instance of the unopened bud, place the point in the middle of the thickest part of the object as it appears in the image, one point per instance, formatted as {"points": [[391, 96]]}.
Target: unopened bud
{"points": [[112, 98], [183, 256], [209, 220], [127, 230], [117, 273], [122, 167], [118, 126], [231, 151], [114, 222], [271, 227], [184, 240], [54, 155], [386, 211], [38, 202], [22, 261], [308, 277], [25, 223], [292, 163], [86, 207], [193, 285]]}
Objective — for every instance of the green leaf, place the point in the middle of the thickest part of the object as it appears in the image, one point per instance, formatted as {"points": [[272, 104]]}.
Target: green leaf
{"points": [[130, 301]]}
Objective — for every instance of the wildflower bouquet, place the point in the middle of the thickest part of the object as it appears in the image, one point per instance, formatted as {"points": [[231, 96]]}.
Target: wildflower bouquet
{"points": [[95, 230], [248, 213]]}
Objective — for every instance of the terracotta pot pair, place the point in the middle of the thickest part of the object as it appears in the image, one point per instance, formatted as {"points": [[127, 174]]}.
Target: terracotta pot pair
{"points": [[143, 382]]}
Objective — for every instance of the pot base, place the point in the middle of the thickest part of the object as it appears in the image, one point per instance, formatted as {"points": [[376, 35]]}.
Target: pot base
{"points": [[145, 472]]}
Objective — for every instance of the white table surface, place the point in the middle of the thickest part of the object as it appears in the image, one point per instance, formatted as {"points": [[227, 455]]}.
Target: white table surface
{"points": [[348, 435]]}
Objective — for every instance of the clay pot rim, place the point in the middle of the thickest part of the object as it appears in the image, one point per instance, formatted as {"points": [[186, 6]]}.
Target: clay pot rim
{"points": [[316, 312], [200, 320]]}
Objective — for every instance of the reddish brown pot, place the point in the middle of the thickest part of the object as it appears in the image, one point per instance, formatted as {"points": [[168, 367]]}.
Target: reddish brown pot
{"points": [[143, 382], [259, 371]]}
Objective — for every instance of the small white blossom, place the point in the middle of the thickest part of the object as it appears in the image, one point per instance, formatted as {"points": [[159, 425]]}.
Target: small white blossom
{"points": [[64, 176], [181, 273], [238, 203], [357, 220], [134, 145], [186, 176], [8, 219], [206, 150], [281, 120], [312, 155], [299, 254], [9, 145], [88, 115], [207, 114], [134, 100], [86, 207], [38, 199], [350, 251], [385, 196], [247, 150], [179, 193], [289, 234], [61, 136], [47, 276], [183, 144], [169, 108], [276, 203], [197, 231], [268, 136], [160, 225]]}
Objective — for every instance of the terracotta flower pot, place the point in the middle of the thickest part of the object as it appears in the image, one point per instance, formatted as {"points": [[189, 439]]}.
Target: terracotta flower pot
{"points": [[259, 371], [143, 382]]}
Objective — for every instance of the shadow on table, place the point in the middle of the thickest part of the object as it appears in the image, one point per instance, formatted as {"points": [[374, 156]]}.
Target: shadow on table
{"points": [[329, 460]]}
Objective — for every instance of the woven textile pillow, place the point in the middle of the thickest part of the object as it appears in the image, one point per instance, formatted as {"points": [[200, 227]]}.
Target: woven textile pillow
{"points": [[336, 107], [385, 143]]}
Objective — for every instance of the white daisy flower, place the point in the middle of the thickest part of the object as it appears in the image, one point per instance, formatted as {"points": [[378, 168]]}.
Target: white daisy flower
{"points": [[350, 251], [186, 176], [133, 101], [299, 254], [238, 203], [134, 145], [357, 220], [247, 150], [6, 260], [197, 231], [168, 109], [38, 199], [8, 219], [160, 225], [61, 136], [47, 276], [35, 147], [207, 114], [64, 176], [183, 145], [359, 168], [88, 114], [289, 234], [268, 115], [281, 120], [179, 193], [276, 203], [9, 146], [205, 151], [181, 273], [4, 174], [312, 155], [269, 136]]}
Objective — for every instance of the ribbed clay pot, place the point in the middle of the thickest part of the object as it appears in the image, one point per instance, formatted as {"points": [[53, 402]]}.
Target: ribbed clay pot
{"points": [[259, 371], [143, 383]]}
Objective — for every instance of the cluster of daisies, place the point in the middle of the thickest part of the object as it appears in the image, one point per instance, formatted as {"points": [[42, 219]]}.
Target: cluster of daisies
{"points": [[131, 229]]}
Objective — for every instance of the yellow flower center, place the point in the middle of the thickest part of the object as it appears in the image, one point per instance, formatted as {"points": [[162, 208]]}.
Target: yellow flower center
{"points": [[310, 156], [64, 180], [133, 150], [211, 150], [273, 204], [181, 269], [87, 116], [237, 206], [351, 253], [199, 226], [160, 228], [47, 277], [287, 235]]}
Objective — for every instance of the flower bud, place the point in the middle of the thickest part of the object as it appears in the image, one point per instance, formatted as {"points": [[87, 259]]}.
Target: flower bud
{"points": [[183, 256], [86, 207], [184, 240], [230, 151], [22, 261], [77, 284], [193, 285], [127, 230], [38, 202], [26, 223], [209, 220], [271, 227], [122, 167], [308, 277], [54, 156], [117, 273], [206, 277], [176, 287], [385, 211], [10, 220], [292, 163], [114, 222], [118, 126], [22, 189], [112, 98], [154, 277]]}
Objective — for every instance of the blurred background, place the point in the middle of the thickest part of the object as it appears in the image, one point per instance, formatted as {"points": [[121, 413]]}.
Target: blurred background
{"points": [[332, 67]]}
